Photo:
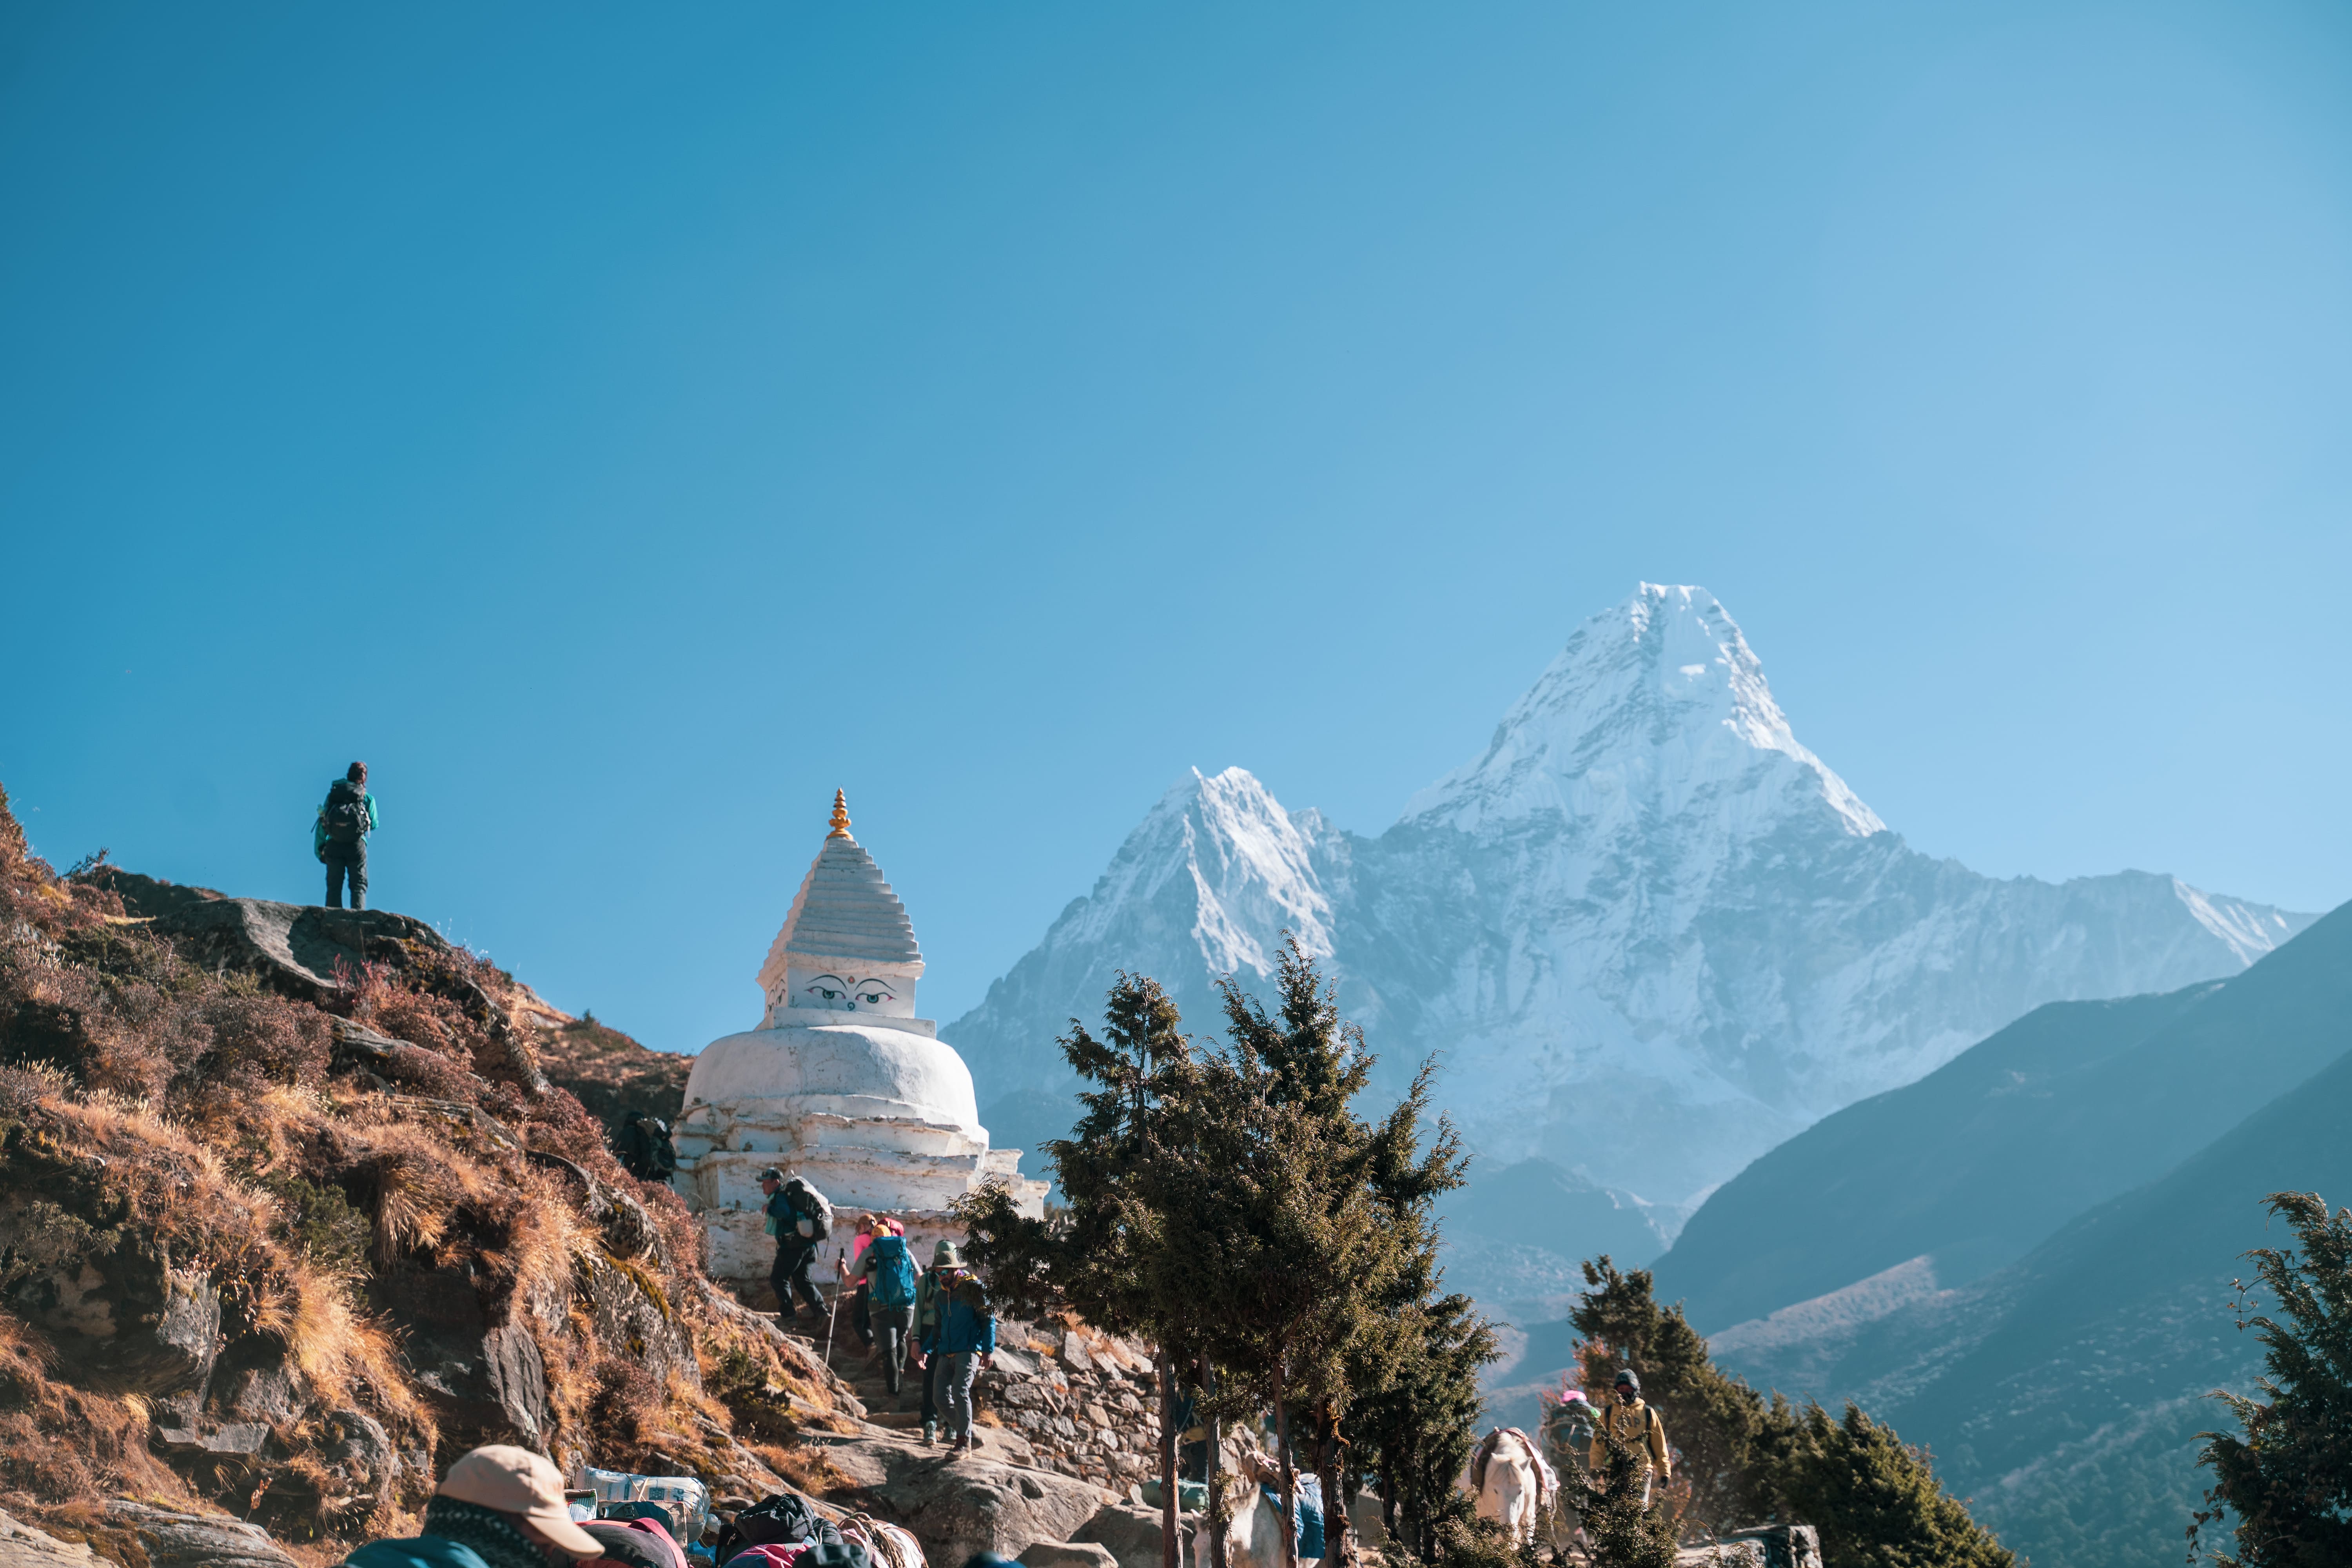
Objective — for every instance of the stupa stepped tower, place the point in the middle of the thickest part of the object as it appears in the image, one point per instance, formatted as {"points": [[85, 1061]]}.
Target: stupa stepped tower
{"points": [[841, 1082]]}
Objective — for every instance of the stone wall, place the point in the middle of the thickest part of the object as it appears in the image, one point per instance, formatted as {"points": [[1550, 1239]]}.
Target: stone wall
{"points": [[1088, 1402]]}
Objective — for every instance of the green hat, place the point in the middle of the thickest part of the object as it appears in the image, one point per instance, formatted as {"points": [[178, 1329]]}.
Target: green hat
{"points": [[944, 1255], [772, 1174]]}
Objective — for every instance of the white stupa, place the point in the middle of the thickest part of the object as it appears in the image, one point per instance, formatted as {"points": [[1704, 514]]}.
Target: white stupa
{"points": [[841, 1082]]}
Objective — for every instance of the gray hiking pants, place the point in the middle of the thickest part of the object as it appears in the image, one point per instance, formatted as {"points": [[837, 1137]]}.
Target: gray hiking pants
{"points": [[955, 1382]]}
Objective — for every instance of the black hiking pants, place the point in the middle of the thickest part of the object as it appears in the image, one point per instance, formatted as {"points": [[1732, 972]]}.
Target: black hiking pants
{"points": [[794, 1258], [932, 1387], [893, 1326], [347, 860]]}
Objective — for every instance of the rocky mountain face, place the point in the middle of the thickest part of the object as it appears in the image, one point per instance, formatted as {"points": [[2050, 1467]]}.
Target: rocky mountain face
{"points": [[2121, 1156], [1650, 934]]}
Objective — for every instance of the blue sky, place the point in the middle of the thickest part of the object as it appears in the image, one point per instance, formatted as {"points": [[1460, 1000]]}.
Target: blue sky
{"points": [[621, 429]]}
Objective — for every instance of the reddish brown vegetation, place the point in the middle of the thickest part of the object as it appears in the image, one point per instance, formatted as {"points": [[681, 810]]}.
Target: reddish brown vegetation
{"points": [[237, 1260]]}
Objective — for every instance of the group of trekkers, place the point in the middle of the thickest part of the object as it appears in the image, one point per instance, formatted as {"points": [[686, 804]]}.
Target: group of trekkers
{"points": [[1577, 1434], [939, 1317]]}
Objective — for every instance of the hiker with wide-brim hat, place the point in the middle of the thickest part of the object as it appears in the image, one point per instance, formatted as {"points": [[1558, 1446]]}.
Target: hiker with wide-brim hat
{"points": [[499, 1506], [930, 1297]]}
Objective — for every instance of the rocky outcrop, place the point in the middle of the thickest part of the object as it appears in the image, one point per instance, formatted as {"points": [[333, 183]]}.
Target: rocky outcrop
{"points": [[1131, 1535], [483, 1371], [22, 1546], [174, 1539], [120, 1317], [1067, 1554], [297, 949], [273, 1255], [957, 1505]]}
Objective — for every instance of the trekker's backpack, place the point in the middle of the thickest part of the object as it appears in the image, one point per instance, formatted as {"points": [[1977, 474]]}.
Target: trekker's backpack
{"points": [[1575, 1424], [893, 1271], [787, 1518], [811, 1206], [346, 813]]}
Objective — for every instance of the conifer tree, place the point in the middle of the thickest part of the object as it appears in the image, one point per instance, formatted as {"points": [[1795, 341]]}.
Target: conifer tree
{"points": [[2288, 1479], [1416, 1434], [1714, 1420], [1623, 1531], [1334, 1240], [1108, 1255], [1873, 1497], [1415, 1404], [1235, 1210]]}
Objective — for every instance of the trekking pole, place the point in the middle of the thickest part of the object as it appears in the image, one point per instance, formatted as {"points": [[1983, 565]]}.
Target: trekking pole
{"points": [[840, 1273]]}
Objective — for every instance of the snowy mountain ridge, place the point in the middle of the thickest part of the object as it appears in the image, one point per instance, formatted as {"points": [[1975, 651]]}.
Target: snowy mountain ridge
{"points": [[1648, 932], [1647, 705]]}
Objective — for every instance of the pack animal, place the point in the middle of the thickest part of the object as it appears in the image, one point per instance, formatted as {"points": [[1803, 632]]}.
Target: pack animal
{"points": [[1253, 1529], [1514, 1484]]}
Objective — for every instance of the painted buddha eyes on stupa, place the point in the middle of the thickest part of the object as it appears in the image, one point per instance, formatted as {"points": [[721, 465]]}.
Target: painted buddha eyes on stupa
{"points": [[833, 988]]}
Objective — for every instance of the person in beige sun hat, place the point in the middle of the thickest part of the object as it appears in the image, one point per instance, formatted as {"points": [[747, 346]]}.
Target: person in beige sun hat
{"points": [[499, 1506]]}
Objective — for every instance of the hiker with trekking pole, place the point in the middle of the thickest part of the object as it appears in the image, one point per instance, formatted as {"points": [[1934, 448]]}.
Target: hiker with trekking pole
{"points": [[800, 1218]]}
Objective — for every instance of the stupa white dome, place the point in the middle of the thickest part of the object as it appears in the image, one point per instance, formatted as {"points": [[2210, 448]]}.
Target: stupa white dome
{"points": [[841, 1083]]}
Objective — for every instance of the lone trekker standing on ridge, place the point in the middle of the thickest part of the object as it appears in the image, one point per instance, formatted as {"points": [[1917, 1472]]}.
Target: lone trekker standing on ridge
{"points": [[340, 836]]}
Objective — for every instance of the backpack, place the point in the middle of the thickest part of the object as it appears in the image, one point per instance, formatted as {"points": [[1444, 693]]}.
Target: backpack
{"points": [[786, 1519], [892, 1270], [811, 1206], [346, 813]]}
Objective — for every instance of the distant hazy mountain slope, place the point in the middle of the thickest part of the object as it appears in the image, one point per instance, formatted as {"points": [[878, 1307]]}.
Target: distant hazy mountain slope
{"points": [[2075, 1420], [1650, 933], [1518, 1232], [2064, 1393], [1986, 1156]]}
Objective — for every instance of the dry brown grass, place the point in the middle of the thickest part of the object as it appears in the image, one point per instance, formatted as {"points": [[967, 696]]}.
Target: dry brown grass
{"points": [[59, 1444], [812, 1470], [150, 1098]]}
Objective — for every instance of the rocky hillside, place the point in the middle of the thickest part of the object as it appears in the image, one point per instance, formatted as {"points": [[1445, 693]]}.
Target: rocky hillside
{"points": [[290, 1213]]}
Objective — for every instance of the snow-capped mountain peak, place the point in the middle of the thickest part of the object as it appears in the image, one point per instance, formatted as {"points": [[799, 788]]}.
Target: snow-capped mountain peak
{"points": [[1247, 861], [1654, 707], [1649, 933]]}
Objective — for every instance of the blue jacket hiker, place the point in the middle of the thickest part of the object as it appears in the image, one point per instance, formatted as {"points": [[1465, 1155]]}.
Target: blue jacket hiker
{"points": [[339, 838], [499, 1506], [962, 1340], [891, 1282]]}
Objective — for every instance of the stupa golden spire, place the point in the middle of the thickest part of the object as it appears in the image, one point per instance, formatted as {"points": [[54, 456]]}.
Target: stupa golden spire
{"points": [[840, 815]]}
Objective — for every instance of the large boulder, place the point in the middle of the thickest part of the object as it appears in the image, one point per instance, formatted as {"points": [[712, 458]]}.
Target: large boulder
{"points": [[296, 950], [1132, 1534], [123, 1319], [485, 1377], [174, 1539], [957, 1505], [22, 1546], [1067, 1554]]}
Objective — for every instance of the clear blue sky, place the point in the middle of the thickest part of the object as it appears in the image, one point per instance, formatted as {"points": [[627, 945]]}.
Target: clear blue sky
{"points": [[620, 427]]}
